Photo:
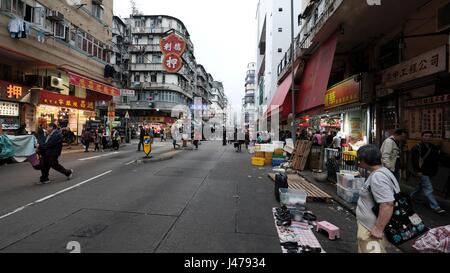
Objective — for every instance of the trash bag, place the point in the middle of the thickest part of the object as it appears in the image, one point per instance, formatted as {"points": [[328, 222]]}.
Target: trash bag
{"points": [[281, 182], [6, 148]]}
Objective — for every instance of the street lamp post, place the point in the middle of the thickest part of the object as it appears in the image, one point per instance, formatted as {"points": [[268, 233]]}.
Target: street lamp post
{"points": [[294, 129]]}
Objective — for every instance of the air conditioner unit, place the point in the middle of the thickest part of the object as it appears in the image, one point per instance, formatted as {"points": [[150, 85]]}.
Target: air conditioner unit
{"points": [[56, 83], [55, 15], [443, 18]]}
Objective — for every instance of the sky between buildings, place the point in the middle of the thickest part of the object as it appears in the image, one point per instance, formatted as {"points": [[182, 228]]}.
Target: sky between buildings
{"points": [[223, 33]]}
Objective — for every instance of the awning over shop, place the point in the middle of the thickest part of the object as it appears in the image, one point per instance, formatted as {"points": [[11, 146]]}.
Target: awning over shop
{"points": [[281, 98], [95, 86], [316, 76]]}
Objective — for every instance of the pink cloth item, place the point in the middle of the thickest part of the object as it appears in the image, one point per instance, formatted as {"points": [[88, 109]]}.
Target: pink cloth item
{"points": [[435, 240]]}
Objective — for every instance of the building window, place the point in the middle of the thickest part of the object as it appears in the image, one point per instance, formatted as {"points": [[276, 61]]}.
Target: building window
{"points": [[97, 11], [157, 58], [153, 77], [280, 9], [59, 30], [280, 50], [137, 77], [280, 29], [140, 59]]}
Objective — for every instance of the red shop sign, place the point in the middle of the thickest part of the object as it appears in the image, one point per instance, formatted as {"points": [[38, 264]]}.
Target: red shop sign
{"points": [[12, 91], [86, 83], [173, 44], [172, 63], [55, 99]]}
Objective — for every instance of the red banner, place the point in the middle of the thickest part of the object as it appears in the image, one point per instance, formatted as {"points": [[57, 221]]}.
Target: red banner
{"points": [[93, 85], [63, 101]]}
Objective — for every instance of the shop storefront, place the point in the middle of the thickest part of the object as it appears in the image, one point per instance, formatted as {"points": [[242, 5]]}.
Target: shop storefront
{"points": [[14, 109], [422, 87], [344, 103], [65, 111]]}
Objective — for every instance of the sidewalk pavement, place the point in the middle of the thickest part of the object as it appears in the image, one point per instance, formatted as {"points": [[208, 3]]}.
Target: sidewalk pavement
{"points": [[430, 218]]}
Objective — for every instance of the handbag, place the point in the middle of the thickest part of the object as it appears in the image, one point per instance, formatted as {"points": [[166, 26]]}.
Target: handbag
{"points": [[35, 161], [404, 224]]}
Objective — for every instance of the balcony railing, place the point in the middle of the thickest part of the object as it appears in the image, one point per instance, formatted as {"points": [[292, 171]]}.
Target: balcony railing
{"points": [[144, 48], [303, 41], [146, 67], [149, 30], [185, 90]]}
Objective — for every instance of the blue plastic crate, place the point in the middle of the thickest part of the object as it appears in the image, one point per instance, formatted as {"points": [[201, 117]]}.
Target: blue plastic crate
{"points": [[278, 161]]}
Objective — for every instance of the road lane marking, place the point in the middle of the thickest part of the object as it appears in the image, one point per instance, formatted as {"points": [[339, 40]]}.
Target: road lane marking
{"points": [[53, 195], [129, 163], [98, 156]]}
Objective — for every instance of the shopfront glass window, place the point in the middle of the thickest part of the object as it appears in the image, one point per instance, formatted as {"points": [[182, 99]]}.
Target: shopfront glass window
{"points": [[356, 128]]}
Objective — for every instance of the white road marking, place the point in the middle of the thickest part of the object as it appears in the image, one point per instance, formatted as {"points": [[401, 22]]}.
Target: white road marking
{"points": [[129, 163], [98, 156], [53, 195]]}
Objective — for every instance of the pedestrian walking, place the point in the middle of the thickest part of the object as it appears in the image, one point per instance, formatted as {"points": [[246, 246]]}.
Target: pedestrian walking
{"points": [[115, 136], [380, 188], [104, 140], [163, 135], [390, 152], [97, 138], [50, 150], [425, 163], [317, 139], [141, 138], [86, 140]]}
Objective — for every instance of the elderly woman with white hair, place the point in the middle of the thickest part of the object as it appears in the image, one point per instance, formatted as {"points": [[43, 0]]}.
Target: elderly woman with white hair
{"points": [[379, 189]]}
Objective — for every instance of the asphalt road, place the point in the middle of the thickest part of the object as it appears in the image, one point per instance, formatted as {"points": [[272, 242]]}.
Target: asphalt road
{"points": [[199, 201]]}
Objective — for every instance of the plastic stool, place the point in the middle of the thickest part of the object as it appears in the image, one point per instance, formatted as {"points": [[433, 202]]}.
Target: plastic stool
{"points": [[333, 231]]}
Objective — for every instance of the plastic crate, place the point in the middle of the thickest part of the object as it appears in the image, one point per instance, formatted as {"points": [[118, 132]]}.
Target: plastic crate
{"points": [[292, 198], [350, 182], [260, 154], [258, 161], [277, 161], [279, 156], [348, 194]]}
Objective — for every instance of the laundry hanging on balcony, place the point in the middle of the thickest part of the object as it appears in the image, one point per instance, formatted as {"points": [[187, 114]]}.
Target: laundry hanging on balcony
{"points": [[18, 28]]}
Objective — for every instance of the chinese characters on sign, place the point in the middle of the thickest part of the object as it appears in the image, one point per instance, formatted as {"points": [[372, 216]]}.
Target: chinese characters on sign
{"points": [[55, 99], [11, 91], [93, 85], [426, 64], [344, 93], [172, 63], [173, 47], [428, 101], [173, 44], [9, 109]]}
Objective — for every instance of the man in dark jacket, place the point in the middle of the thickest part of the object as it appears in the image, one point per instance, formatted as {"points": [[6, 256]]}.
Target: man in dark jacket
{"points": [[425, 162], [141, 138], [50, 149]]}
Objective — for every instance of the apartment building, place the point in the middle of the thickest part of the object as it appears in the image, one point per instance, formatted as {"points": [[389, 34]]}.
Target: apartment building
{"points": [[54, 62]]}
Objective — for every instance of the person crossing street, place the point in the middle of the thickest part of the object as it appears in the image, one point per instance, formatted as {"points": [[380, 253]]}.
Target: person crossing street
{"points": [[50, 149]]}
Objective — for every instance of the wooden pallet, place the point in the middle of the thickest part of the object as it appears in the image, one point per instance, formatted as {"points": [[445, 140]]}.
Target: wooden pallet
{"points": [[300, 155], [297, 182]]}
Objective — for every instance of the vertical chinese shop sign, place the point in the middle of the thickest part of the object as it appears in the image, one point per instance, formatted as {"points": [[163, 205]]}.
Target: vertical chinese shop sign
{"points": [[173, 47]]}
